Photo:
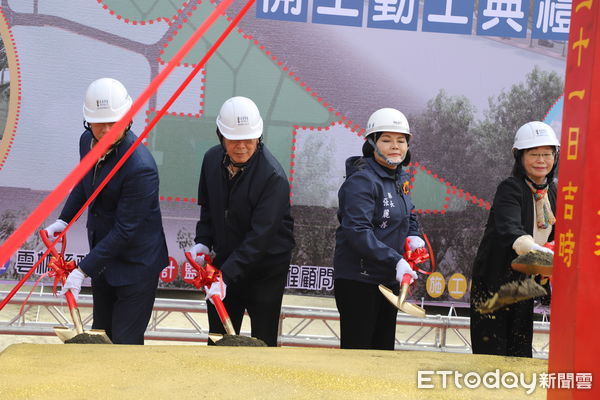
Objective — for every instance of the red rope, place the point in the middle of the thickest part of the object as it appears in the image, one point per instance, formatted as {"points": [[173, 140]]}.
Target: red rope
{"points": [[56, 196]]}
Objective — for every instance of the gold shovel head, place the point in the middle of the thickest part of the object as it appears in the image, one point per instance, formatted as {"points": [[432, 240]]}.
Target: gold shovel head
{"points": [[215, 337], [533, 263], [64, 333], [95, 336], [389, 295], [531, 269], [405, 307]]}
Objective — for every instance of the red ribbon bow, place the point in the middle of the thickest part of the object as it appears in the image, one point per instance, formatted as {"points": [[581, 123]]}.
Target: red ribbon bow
{"points": [[416, 256], [59, 267], [205, 276], [60, 270]]}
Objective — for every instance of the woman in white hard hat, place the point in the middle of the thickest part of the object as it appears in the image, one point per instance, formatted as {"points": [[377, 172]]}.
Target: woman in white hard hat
{"points": [[376, 218], [127, 243], [521, 220], [245, 220]]}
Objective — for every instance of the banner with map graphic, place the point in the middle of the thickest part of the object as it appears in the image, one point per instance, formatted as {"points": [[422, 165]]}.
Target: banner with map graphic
{"points": [[316, 70]]}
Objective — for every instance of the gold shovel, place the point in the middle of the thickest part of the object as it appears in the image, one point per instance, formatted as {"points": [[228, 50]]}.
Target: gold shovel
{"points": [[413, 257], [399, 301], [66, 335], [534, 262]]}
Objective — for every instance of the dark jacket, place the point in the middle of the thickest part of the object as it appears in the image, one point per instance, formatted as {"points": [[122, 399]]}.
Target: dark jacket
{"points": [[511, 216], [249, 221], [375, 215], [125, 232]]}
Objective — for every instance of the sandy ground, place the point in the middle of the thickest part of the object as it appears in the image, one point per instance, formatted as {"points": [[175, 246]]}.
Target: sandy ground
{"points": [[33, 368], [34, 371]]}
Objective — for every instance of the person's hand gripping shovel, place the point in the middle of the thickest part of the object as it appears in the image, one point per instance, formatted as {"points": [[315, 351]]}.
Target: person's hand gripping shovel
{"points": [[60, 270], [209, 279], [412, 258], [205, 278]]}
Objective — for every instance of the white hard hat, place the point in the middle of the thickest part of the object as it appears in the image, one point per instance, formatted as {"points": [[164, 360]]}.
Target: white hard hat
{"points": [[535, 134], [106, 100], [239, 119], [387, 120]]}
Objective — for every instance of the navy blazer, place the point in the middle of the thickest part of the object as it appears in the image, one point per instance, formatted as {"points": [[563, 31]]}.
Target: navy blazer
{"points": [[125, 233]]}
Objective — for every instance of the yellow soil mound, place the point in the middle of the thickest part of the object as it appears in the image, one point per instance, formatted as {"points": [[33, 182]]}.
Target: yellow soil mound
{"points": [[78, 371]]}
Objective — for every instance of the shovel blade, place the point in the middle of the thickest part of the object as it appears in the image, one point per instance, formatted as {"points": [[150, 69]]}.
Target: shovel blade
{"points": [[101, 334], [215, 337], [532, 269], [413, 309], [389, 295], [405, 307], [64, 333]]}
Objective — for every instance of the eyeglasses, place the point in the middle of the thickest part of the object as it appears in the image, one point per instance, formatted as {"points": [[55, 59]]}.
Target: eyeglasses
{"points": [[543, 156]]}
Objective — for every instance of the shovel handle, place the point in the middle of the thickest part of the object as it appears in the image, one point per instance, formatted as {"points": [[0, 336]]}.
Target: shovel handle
{"points": [[71, 302], [74, 310], [406, 279], [223, 315], [48, 243]]}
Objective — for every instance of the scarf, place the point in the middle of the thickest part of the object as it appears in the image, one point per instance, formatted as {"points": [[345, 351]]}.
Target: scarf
{"points": [[544, 217]]}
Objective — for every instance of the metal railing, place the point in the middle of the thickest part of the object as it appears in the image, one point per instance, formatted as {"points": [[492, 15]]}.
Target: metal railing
{"points": [[298, 326]]}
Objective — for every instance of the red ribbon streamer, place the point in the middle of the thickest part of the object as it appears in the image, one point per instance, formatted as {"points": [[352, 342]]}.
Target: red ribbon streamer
{"points": [[56, 196]]}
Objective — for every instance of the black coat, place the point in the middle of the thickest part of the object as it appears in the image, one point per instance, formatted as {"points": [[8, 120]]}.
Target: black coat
{"points": [[125, 233], [511, 216], [247, 221]]}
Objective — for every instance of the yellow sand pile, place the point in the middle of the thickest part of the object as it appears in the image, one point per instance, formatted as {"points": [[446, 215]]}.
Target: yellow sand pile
{"points": [[81, 371]]}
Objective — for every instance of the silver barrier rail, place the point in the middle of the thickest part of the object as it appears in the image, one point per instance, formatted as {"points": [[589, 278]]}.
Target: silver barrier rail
{"points": [[298, 326]]}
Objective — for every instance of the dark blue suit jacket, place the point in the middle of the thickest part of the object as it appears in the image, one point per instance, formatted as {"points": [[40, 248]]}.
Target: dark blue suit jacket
{"points": [[125, 233], [375, 215]]}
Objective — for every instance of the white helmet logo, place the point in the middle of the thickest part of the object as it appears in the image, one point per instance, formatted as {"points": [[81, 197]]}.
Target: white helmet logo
{"points": [[243, 120], [102, 104]]}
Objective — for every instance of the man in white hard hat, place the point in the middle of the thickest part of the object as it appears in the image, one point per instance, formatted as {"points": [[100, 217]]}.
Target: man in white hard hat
{"points": [[521, 220], [245, 220], [127, 243]]}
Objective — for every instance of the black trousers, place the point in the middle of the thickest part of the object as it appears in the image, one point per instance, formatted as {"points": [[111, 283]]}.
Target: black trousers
{"points": [[123, 311], [367, 319], [262, 298], [505, 332]]}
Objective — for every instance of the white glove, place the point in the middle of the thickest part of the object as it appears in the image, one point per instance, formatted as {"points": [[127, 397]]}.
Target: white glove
{"points": [[403, 268], [218, 288], [199, 248], [415, 242], [55, 228], [541, 248], [73, 283]]}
